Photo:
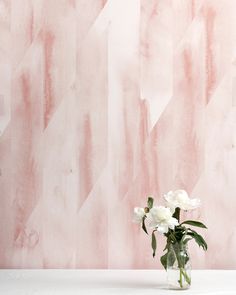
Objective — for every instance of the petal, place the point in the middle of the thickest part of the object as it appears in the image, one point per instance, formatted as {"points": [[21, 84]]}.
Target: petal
{"points": [[169, 197], [172, 207], [136, 219], [152, 224], [163, 228], [195, 202], [191, 204], [139, 210], [150, 221], [138, 214], [172, 222], [153, 210], [181, 192], [182, 197]]}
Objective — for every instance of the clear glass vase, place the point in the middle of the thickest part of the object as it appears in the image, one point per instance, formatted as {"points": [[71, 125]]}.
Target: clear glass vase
{"points": [[178, 267]]}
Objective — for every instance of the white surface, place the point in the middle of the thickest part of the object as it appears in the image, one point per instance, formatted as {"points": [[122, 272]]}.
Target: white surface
{"points": [[32, 282]]}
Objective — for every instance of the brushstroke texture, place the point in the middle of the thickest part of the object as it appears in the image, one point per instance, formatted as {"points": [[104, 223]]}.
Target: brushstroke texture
{"points": [[103, 103]]}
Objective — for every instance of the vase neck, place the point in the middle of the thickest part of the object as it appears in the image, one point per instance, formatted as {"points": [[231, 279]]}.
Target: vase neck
{"points": [[179, 246]]}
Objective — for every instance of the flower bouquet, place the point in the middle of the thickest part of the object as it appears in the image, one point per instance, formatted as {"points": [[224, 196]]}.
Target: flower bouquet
{"points": [[166, 220]]}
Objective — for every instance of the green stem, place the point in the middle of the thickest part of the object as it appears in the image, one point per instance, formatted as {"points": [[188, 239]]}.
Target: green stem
{"points": [[181, 260], [187, 279], [180, 279], [182, 271]]}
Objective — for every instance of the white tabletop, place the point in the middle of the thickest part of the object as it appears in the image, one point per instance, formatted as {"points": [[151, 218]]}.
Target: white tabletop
{"points": [[37, 282]]}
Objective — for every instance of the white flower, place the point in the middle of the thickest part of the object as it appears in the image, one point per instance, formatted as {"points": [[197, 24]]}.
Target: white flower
{"points": [[180, 198], [139, 213], [161, 218]]}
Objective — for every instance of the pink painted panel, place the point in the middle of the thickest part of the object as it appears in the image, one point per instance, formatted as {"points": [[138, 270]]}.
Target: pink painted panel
{"points": [[101, 104]]}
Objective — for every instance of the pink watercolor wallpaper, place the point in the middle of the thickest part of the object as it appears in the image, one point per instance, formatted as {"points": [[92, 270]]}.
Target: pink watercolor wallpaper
{"points": [[103, 102]]}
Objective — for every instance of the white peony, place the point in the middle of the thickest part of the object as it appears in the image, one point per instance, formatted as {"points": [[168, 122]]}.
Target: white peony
{"points": [[180, 198], [161, 218], [139, 213]]}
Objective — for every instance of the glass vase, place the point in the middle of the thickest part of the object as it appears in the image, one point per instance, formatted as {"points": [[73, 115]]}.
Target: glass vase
{"points": [[178, 267]]}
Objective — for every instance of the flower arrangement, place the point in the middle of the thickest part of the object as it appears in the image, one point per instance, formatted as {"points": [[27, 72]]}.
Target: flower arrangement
{"points": [[166, 220]]}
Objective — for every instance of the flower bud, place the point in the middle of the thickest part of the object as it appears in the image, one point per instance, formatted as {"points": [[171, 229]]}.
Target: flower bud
{"points": [[146, 209]]}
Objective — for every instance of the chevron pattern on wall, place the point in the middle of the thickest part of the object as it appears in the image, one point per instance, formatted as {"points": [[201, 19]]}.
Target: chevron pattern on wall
{"points": [[102, 103]]}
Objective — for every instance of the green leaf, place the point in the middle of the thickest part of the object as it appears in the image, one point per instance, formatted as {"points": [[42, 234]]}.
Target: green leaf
{"points": [[164, 260], [194, 223], [198, 239], [167, 246], [177, 213], [171, 257], [187, 240], [150, 202], [172, 237], [144, 226], [186, 259], [154, 244]]}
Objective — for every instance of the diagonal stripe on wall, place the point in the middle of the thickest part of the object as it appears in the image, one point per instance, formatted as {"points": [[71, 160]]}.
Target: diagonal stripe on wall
{"points": [[101, 104]]}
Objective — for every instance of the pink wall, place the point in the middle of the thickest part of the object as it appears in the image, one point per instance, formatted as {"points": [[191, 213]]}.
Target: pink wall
{"points": [[101, 103]]}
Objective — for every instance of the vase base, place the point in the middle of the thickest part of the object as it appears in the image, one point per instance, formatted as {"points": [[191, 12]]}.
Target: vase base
{"points": [[176, 288]]}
